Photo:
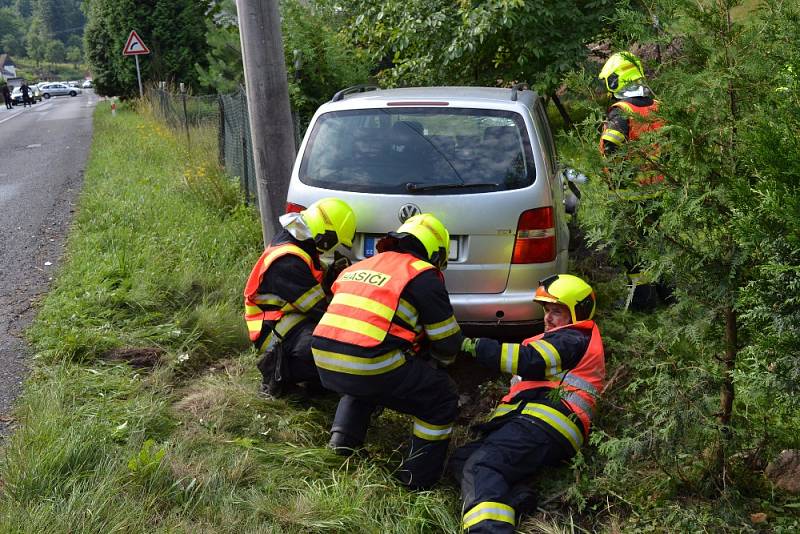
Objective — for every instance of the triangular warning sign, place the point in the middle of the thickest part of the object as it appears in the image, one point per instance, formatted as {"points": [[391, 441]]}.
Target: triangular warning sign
{"points": [[135, 46]]}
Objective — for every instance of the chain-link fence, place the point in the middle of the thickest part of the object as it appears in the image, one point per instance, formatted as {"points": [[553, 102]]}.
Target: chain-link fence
{"points": [[227, 116]]}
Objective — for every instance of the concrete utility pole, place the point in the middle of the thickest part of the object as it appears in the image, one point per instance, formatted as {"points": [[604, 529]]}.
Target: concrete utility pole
{"points": [[271, 124]]}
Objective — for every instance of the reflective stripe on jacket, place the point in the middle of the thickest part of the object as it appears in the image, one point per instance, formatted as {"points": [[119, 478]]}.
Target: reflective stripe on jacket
{"points": [[366, 297], [583, 383], [259, 307], [639, 122]]}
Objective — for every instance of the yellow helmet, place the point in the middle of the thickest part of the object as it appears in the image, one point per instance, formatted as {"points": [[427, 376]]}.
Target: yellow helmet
{"points": [[331, 222], [621, 70], [432, 234], [570, 291]]}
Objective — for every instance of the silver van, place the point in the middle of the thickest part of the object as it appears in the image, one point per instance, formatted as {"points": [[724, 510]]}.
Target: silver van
{"points": [[482, 160]]}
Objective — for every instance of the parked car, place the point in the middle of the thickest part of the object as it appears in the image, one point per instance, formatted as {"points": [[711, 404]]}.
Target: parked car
{"points": [[87, 84], [34, 93], [482, 160], [58, 89]]}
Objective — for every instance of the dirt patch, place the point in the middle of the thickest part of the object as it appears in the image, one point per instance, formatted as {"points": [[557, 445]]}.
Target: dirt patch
{"points": [[141, 357]]}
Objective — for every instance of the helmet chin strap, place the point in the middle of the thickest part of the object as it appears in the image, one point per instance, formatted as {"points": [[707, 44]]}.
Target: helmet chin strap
{"points": [[295, 225]]}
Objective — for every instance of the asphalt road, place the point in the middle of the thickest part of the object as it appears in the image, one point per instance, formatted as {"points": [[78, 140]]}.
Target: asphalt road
{"points": [[43, 151]]}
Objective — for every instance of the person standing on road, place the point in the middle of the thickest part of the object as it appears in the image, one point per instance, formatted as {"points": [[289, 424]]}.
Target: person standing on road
{"points": [[286, 292], [7, 96], [369, 346], [544, 418], [26, 95]]}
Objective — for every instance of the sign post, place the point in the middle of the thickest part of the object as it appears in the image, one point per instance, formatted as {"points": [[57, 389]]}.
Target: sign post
{"points": [[135, 47]]}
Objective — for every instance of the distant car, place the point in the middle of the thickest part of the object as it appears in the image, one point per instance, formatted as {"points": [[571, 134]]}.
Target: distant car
{"points": [[87, 84], [74, 83], [34, 93], [58, 89]]}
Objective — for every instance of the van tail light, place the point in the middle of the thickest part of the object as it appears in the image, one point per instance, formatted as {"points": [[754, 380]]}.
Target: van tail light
{"points": [[291, 207], [536, 237]]}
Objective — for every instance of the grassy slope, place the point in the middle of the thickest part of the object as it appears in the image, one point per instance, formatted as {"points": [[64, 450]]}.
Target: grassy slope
{"points": [[189, 446], [155, 263], [49, 72]]}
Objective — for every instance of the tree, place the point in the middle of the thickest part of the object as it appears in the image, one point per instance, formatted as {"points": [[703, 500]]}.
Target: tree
{"points": [[74, 55], [722, 227], [327, 61], [55, 51], [36, 40], [11, 30], [496, 42], [174, 30]]}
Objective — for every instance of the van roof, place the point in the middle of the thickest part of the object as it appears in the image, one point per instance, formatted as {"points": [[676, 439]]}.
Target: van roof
{"points": [[375, 94]]}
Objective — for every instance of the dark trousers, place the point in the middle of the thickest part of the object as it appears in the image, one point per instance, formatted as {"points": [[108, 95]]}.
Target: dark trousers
{"points": [[8, 102], [417, 389], [492, 471], [297, 363]]}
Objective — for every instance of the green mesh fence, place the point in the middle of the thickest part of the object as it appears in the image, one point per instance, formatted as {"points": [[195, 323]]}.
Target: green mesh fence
{"points": [[227, 115]]}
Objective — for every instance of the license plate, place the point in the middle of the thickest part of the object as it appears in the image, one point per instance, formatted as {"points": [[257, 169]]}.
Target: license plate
{"points": [[371, 240]]}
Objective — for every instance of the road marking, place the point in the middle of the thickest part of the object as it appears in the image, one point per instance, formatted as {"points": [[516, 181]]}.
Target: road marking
{"points": [[11, 117], [37, 145]]}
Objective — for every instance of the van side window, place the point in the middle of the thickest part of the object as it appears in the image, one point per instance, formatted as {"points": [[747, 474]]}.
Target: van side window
{"points": [[547, 136]]}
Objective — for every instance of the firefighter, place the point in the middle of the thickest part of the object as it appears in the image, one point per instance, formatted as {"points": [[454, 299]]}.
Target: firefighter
{"points": [[631, 115], [285, 294], [632, 102], [387, 330], [534, 425]]}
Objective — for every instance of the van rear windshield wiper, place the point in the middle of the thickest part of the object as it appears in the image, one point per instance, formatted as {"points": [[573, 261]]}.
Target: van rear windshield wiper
{"points": [[416, 187]]}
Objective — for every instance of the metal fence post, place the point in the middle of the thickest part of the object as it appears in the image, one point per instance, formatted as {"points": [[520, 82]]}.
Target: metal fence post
{"points": [[245, 159], [185, 115], [221, 131]]}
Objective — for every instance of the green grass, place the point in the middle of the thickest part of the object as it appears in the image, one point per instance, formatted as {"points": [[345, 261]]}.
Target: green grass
{"points": [[156, 259], [49, 72], [155, 263]]}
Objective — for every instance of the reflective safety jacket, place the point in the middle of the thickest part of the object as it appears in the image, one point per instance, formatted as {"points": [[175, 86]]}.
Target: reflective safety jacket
{"points": [[582, 384], [366, 297], [638, 122], [268, 313]]}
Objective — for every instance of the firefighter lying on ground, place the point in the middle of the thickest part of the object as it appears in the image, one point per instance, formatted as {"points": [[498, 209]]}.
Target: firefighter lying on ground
{"points": [[546, 415], [367, 346], [285, 294]]}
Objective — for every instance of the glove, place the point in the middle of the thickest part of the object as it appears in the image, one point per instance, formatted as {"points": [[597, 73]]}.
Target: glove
{"points": [[469, 346]]}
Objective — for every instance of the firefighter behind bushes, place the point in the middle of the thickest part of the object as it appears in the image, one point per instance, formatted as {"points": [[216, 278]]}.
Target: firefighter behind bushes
{"points": [[387, 330], [285, 294], [545, 417], [631, 115]]}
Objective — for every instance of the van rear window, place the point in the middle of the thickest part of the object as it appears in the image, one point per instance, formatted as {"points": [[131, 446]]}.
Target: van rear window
{"points": [[384, 150]]}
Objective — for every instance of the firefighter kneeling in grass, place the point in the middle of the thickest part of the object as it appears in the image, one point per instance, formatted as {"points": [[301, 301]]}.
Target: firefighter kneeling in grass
{"points": [[368, 346], [285, 294], [546, 415]]}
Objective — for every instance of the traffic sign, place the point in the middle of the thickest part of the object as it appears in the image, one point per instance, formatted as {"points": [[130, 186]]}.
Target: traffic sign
{"points": [[135, 46]]}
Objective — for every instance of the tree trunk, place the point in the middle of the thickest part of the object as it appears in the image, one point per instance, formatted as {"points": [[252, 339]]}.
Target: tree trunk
{"points": [[564, 115], [729, 365]]}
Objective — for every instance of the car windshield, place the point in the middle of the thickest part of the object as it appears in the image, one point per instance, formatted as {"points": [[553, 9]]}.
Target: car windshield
{"points": [[439, 150]]}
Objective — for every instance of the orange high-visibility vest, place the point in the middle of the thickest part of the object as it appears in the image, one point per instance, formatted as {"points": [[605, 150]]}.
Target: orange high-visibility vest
{"points": [[365, 298], [254, 302], [635, 130], [637, 127], [583, 384]]}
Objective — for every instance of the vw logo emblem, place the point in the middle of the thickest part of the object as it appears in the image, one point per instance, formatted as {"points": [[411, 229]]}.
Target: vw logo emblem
{"points": [[408, 211]]}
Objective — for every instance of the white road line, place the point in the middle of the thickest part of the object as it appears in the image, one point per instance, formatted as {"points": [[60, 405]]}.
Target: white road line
{"points": [[11, 117]]}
